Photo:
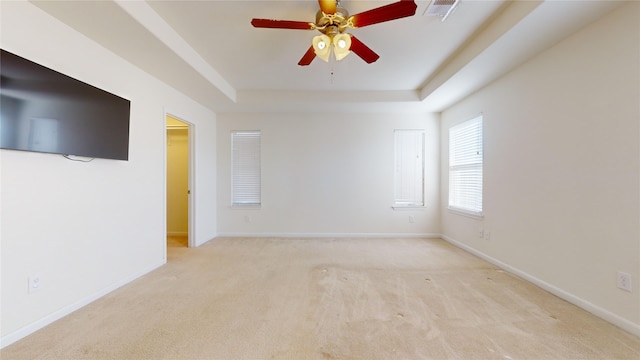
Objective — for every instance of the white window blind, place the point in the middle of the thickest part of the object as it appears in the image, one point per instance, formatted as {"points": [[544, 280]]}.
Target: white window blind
{"points": [[465, 167], [409, 168], [245, 168]]}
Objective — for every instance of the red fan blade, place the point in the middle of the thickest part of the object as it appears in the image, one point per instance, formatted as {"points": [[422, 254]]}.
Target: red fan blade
{"points": [[397, 10], [362, 50], [308, 57], [328, 6], [280, 24]]}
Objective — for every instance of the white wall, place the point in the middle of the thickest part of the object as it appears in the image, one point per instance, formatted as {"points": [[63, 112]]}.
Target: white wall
{"points": [[562, 168], [87, 228], [327, 174]]}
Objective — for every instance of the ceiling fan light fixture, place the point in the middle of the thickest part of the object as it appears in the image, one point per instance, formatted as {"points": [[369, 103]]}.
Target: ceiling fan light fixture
{"points": [[332, 20], [342, 44], [321, 46]]}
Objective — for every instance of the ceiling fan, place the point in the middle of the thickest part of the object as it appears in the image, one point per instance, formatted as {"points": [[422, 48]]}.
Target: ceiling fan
{"points": [[332, 20]]}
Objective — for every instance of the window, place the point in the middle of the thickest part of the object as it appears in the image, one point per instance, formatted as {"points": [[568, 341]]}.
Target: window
{"points": [[409, 168], [245, 168], [465, 167]]}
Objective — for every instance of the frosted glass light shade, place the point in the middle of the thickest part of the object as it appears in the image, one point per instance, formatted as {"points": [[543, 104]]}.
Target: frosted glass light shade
{"points": [[321, 46], [342, 44]]}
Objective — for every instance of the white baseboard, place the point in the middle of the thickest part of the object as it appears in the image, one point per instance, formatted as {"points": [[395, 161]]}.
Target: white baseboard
{"points": [[604, 314], [39, 324], [332, 235]]}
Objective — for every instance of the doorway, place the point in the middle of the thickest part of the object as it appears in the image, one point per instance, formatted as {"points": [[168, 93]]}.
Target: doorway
{"points": [[178, 191]]}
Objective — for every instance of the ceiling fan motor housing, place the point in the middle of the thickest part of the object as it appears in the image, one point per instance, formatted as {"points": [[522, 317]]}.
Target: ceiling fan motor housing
{"points": [[332, 24]]}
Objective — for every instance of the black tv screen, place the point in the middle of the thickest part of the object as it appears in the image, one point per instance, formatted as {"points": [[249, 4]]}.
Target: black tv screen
{"points": [[43, 110]]}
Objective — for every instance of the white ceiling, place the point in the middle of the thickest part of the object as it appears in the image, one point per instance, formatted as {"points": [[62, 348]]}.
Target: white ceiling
{"points": [[209, 50]]}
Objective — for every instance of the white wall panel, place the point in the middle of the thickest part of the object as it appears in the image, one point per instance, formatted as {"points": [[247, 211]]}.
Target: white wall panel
{"points": [[562, 167], [327, 174], [87, 228]]}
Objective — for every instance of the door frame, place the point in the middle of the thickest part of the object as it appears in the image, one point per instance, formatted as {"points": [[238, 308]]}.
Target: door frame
{"points": [[191, 128]]}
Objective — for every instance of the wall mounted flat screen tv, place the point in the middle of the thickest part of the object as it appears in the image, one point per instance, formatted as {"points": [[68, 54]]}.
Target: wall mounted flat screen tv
{"points": [[45, 111]]}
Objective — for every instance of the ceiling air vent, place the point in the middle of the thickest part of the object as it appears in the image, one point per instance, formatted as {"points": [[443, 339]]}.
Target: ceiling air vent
{"points": [[441, 8]]}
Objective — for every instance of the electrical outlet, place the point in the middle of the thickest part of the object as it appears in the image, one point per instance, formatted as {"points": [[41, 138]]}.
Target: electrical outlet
{"points": [[624, 281], [412, 219], [481, 233], [247, 218], [35, 284], [487, 235]]}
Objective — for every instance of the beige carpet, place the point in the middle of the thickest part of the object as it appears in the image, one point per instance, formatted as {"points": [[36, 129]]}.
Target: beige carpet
{"points": [[327, 299]]}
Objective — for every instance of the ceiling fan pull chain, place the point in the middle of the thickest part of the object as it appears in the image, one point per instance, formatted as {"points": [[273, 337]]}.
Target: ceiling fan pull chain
{"points": [[331, 69]]}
